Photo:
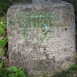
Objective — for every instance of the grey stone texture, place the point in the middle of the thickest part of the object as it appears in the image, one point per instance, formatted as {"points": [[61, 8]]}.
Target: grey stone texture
{"points": [[44, 1], [41, 37]]}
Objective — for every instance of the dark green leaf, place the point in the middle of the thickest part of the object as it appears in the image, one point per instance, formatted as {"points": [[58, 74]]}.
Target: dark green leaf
{"points": [[12, 69], [11, 75]]}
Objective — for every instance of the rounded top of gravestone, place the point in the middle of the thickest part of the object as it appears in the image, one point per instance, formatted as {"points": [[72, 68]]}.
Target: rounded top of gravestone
{"points": [[44, 1]]}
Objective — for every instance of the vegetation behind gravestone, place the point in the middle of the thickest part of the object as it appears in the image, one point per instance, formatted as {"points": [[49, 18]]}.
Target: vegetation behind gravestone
{"points": [[4, 5]]}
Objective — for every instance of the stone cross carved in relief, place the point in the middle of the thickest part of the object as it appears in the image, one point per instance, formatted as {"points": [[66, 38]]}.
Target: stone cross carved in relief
{"points": [[44, 1]]}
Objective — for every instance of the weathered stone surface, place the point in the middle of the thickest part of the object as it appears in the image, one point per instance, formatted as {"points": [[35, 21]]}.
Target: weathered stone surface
{"points": [[41, 37], [44, 1]]}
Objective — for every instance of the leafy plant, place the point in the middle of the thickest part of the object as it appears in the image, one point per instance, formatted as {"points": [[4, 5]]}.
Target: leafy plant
{"points": [[16, 72], [3, 42], [11, 71], [2, 28], [3, 39]]}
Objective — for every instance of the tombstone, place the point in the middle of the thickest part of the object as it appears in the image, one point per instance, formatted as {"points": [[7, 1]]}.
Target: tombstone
{"points": [[44, 1], [41, 36]]}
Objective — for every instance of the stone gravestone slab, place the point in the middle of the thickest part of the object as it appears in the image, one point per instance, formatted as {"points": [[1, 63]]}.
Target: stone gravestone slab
{"points": [[41, 36], [44, 1]]}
